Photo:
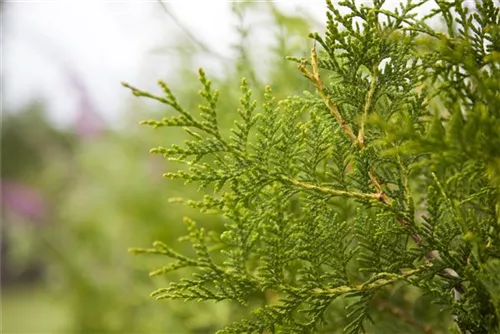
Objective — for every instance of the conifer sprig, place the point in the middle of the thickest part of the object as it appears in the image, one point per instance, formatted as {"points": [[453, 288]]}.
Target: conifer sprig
{"points": [[381, 185]]}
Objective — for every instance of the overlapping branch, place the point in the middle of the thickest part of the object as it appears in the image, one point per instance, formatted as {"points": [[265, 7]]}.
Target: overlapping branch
{"points": [[359, 140]]}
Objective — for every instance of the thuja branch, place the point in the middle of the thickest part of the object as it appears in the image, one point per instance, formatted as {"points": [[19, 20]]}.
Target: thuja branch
{"points": [[315, 78], [359, 140], [305, 250]]}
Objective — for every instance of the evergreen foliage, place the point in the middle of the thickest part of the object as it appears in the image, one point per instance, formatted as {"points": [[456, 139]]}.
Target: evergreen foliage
{"points": [[362, 206]]}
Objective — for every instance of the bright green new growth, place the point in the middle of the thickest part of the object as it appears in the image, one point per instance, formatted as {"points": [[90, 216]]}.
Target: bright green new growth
{"points": [[363, 205]]}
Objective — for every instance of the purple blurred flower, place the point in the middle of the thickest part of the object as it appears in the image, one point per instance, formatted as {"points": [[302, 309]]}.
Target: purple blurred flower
{"points": [[23, 200], [88, 123]]}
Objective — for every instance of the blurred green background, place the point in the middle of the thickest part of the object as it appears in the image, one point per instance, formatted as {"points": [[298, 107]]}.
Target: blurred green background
{"points": [[74, 198]]}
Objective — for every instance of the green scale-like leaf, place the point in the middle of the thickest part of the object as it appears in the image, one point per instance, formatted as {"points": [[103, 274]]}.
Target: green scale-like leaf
{"points": [[346, 208]]}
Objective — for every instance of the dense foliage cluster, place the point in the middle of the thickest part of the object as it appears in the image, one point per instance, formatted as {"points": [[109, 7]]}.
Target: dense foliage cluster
{"points": [[369, 205]]}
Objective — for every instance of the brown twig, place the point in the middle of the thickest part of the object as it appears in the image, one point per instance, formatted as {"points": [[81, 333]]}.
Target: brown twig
{"points": [[315, 78], [368, 104], [402, 315], [384, 280], [331, 191]]}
